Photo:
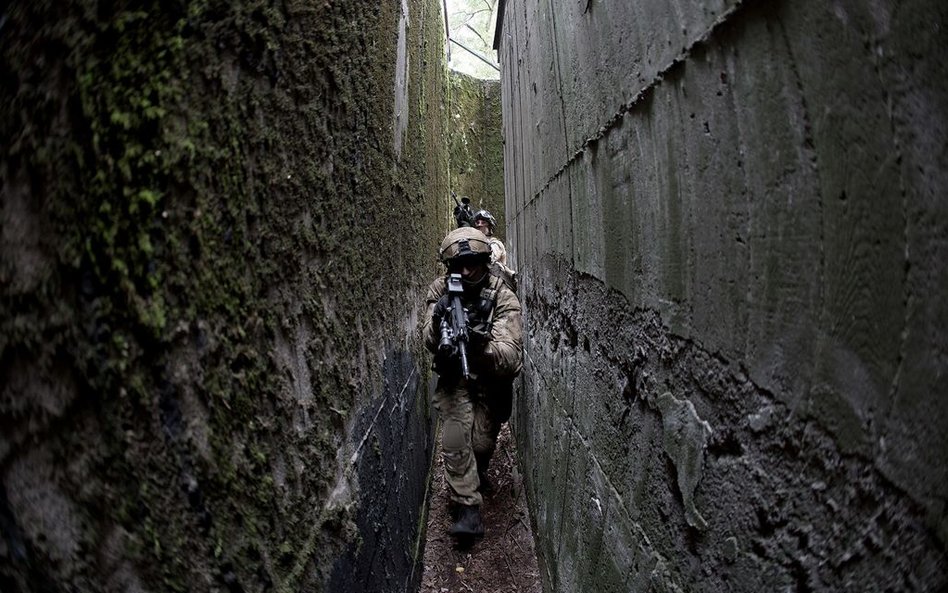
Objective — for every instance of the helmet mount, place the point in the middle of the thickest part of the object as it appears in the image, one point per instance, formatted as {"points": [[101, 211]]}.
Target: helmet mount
{"points": [[464, 249]]}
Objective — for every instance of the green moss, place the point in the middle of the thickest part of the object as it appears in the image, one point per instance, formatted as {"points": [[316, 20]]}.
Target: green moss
{"points": [[213, 177], [476, 147]]}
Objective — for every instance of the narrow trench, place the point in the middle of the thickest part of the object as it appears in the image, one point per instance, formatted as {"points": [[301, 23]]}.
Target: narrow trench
{"points": [[504, 561]]}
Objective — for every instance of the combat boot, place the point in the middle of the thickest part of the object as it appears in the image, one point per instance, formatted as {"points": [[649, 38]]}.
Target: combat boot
{"points": [[469, 523]]}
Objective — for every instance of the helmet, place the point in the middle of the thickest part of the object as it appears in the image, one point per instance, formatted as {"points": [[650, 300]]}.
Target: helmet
{"points": [[485, 215], [465, 242]]}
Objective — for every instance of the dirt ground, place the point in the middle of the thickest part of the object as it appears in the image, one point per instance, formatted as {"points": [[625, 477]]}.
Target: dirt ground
{"points": [[503, 561]]}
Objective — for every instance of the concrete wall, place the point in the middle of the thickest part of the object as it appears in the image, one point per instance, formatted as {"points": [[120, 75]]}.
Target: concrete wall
{"points": [[477, 151], [209, 370], [731, 227]]}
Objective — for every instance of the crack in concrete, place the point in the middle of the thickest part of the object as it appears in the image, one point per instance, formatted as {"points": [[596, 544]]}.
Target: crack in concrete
{"points": [[355, 456], [808, 444], [874, 59]]}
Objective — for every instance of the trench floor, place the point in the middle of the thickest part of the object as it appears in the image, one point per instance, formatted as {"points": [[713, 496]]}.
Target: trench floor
{"points": [[504, 561]]}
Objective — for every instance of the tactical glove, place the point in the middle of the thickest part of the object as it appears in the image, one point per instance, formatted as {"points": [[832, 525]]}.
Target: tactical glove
{"points": [[441, 308], [479, 339], [482, 359], [437, 314]]}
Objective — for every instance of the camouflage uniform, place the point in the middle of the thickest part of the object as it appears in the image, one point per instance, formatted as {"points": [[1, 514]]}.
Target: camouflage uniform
{"points": [[498, 253], [472, 410]]}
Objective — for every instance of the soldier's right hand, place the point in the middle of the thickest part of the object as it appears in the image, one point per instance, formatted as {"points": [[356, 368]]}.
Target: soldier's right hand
{"points": [[441, 308], [478, 339]]}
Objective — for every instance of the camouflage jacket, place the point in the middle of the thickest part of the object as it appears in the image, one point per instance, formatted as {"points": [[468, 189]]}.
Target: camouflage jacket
{"points": [[494, 311], [498, 253]]}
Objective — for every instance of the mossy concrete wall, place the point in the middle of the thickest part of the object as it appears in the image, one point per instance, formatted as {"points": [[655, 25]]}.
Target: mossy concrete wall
{"points": [[477, 151], [731, 224], [210, 374]]}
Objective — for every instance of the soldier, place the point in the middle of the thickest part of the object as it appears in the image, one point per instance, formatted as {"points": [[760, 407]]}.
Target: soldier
{"points": [[472, 409], [485, 222]]}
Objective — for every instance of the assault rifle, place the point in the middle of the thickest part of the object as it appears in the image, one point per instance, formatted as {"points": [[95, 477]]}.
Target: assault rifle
{"points": [[454, 330], [462, 211]]}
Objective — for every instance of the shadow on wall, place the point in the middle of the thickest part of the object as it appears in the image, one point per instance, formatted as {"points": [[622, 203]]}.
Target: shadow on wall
{"points": [[395, 449]]}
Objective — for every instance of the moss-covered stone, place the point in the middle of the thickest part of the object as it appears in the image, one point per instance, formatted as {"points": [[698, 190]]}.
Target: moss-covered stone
{"points": [[476, 147], [204, 269]]}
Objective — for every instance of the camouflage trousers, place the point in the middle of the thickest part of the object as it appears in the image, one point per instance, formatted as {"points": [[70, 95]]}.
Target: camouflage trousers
{"points": [[471, 414]]}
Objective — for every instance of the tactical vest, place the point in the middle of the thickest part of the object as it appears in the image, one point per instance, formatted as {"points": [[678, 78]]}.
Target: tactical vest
{"points": [[506, 274], [481, 311]]}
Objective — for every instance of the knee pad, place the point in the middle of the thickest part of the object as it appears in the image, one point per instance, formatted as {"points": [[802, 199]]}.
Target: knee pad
{"points": [[454, 437]]}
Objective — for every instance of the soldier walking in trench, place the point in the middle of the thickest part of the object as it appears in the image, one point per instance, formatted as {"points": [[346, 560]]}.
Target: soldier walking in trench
{"points": [[476, 366], [485, 222]]}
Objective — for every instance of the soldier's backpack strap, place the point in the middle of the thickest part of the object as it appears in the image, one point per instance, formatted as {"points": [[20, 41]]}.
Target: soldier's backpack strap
{"points": [[509, 277], [484, 308]]}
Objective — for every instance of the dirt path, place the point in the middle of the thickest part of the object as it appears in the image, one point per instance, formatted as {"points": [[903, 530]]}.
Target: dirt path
{"points": [[504, 560]]}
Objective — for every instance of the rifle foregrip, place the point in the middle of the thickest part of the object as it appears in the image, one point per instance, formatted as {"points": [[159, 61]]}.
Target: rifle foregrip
{"points": [[465, 369]]}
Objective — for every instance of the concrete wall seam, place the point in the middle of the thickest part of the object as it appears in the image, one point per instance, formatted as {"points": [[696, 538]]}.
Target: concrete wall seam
{"points": [[642, 93]]}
